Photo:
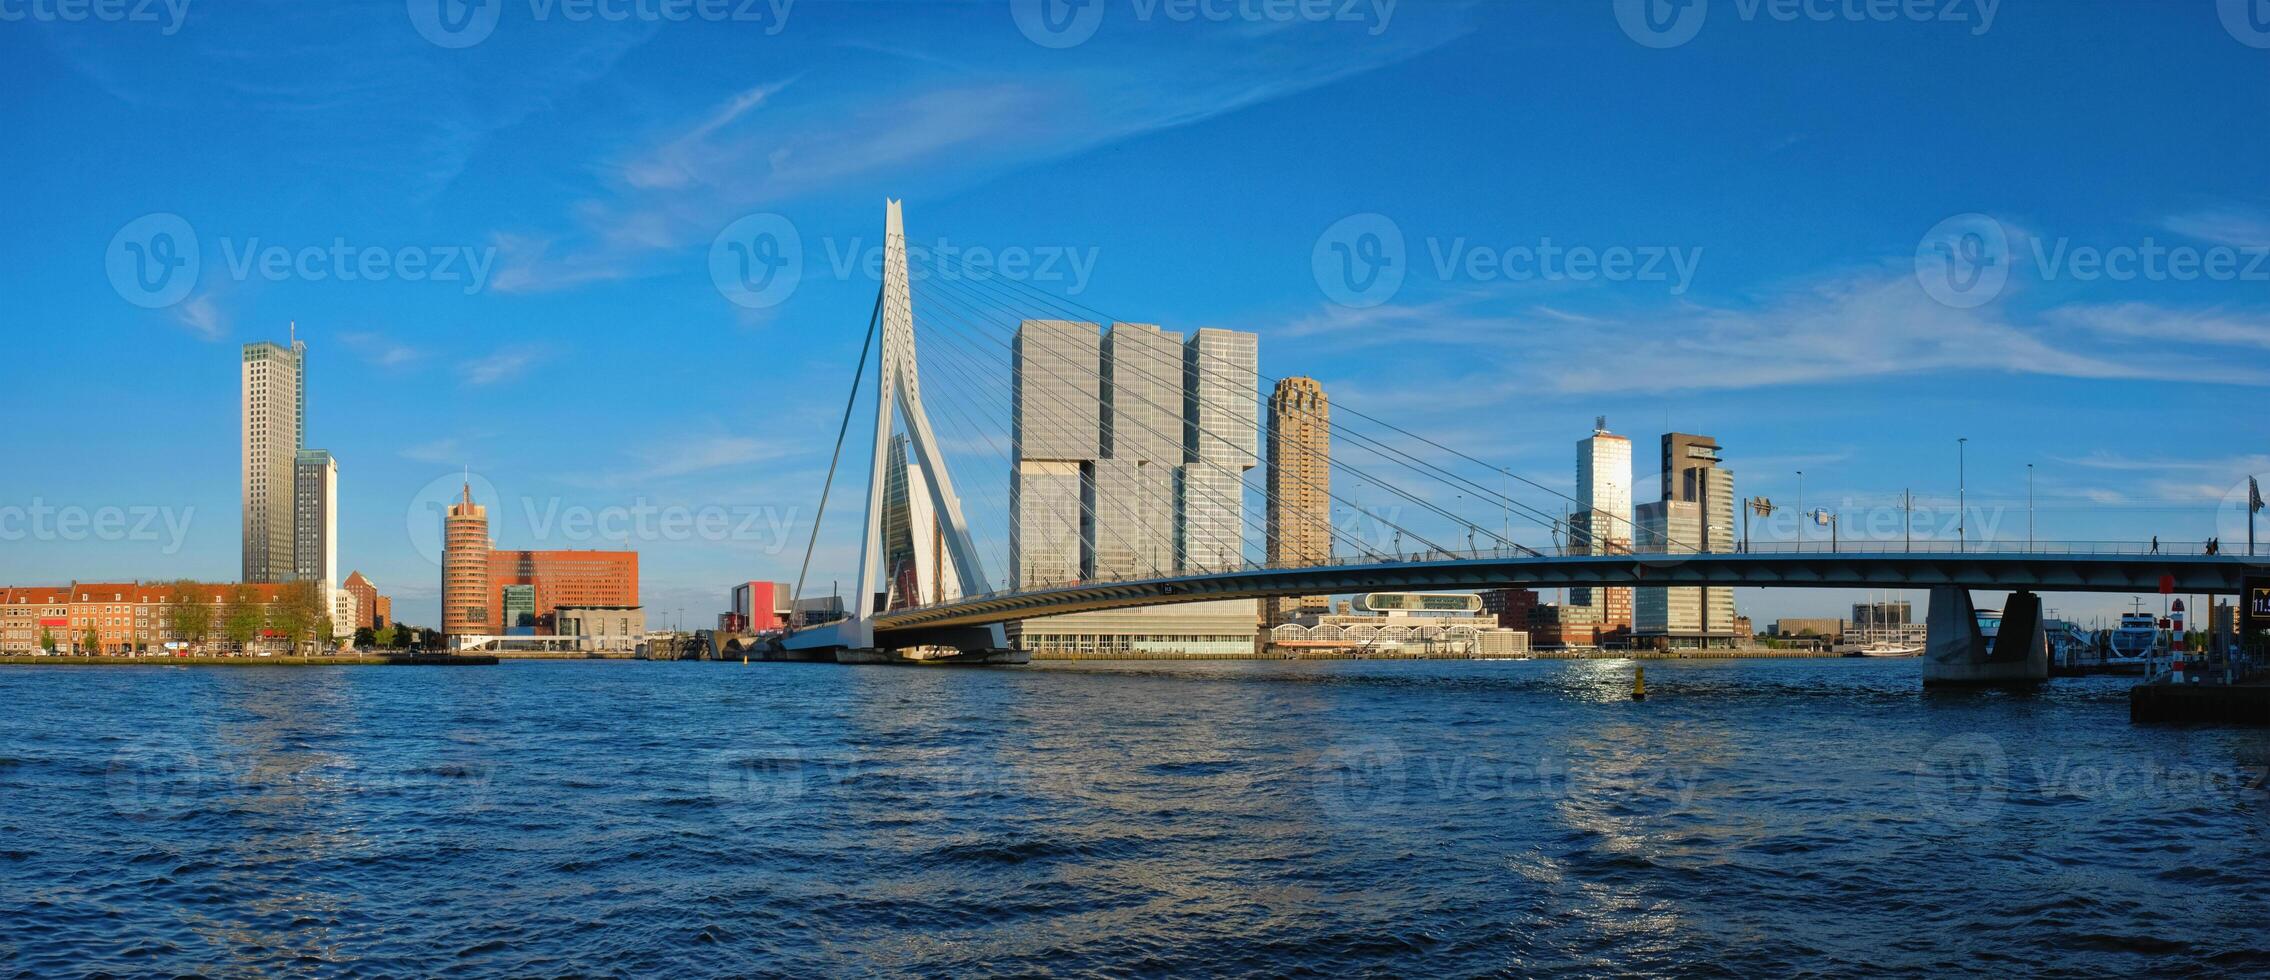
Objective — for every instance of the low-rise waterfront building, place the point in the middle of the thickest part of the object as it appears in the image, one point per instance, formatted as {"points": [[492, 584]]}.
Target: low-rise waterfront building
{"points": [[1402, 624], [117, 618]]}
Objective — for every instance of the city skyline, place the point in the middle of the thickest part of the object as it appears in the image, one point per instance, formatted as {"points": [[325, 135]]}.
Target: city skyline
{"points": [[443, 376]]}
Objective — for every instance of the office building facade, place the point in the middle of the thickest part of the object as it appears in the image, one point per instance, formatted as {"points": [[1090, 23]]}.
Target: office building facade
{"points": [[1221, 422], [1694, 515], [1298, 527], [315, 519], [1112, 479], [1601, 525], [1055, 427], [465, 569], [274, 414]]}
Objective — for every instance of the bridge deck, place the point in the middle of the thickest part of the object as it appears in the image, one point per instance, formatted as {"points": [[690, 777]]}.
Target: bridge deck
{"points": [[2139, 573]]}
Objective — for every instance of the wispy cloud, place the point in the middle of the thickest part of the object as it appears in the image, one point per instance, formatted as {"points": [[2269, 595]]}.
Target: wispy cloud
{"points": [[203, 317], [2145, 322], [919, 124], [503, 365], [2233, 226], [380, 350], [1839, 327]]}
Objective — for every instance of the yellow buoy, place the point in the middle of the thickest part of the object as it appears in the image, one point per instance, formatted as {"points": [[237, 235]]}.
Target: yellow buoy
{"points": [[1639, 683]]}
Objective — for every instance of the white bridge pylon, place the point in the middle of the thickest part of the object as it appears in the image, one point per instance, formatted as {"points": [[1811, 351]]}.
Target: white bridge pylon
{"points": [[899, 392]]}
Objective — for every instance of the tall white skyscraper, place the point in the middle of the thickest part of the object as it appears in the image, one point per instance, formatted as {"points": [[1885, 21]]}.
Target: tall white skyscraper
{"points": [[1602, 524], [275, 418]]}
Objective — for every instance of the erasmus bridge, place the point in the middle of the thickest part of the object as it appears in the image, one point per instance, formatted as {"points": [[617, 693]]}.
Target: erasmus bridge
{"points": [[944, 606]]}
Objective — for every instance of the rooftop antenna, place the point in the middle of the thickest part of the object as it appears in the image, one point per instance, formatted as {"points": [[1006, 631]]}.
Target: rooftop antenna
{"points": [[1599, 423]]}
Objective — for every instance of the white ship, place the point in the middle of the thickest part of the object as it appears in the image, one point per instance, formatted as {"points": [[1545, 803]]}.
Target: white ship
{"points": [[2130, 649]]}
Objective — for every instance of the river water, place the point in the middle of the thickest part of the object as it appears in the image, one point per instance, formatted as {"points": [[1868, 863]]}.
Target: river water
{"points": [[1127, 818]]}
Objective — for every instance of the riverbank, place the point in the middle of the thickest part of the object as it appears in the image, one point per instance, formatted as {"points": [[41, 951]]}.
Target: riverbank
{"points": [[349, 660], [1741, 654]]}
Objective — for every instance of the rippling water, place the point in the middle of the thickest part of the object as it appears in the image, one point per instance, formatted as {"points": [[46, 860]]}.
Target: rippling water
{"points": [[1226, 817]]}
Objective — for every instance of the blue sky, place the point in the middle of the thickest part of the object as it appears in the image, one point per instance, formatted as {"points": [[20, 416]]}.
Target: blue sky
{"points": [[560, 178]]}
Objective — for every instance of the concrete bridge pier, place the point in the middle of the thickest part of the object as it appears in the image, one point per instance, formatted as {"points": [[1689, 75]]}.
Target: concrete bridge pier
{"points": [[1957, 655]]}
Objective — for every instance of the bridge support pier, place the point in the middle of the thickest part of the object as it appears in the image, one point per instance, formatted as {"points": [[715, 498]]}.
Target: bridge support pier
{"points": [[1957, 655]]}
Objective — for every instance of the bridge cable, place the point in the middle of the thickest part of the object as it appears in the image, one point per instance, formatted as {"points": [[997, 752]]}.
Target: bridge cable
{"points": [[851, 401]]}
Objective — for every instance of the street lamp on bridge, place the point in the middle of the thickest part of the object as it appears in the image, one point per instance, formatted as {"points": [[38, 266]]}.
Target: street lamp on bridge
{"points": [[1962, 495]]}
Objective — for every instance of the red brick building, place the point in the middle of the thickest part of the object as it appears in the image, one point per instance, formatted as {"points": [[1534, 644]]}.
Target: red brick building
{"points": [[372, 610], [562, 578]]}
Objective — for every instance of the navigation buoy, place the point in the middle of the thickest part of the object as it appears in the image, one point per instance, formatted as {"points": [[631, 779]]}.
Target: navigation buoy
{"points": [[1639, 683]]}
